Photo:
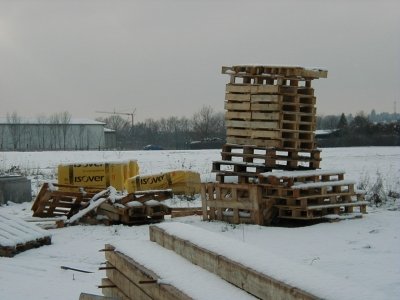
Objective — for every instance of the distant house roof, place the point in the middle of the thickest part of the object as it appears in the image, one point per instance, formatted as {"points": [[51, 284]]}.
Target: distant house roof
{"points": [[108, 130], [35, 121]]}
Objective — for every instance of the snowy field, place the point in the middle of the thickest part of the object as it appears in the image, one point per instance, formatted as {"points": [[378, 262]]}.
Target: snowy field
{"points": [[362, 254]]}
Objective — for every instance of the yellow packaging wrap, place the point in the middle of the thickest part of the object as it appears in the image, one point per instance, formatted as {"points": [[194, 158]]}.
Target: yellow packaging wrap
{"points": [[181, 182], [97, 175], [133, 169]]}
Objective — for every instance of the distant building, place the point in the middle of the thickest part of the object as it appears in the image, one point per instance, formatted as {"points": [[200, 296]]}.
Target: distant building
{"points": [[39, 135], [110, 139]]}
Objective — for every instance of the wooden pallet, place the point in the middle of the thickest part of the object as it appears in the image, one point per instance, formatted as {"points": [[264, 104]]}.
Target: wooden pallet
{"points": [[235, 203], [313, 212], [243, 172], [10, 251], [288, 179], [52, 201], [18, 235], [274, 158]]}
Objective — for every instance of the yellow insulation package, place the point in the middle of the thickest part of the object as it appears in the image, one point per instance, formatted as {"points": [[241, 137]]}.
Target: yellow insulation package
{"points": [[98, 175], [181, 182]]}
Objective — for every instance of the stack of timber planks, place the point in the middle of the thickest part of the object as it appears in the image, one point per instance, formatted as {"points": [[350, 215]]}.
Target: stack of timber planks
{"points": [[157, 268], [270, 122]]}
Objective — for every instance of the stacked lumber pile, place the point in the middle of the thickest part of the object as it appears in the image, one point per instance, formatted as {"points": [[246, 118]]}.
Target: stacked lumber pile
{"points": [[270, 120], [147, 270], [90, 205]]}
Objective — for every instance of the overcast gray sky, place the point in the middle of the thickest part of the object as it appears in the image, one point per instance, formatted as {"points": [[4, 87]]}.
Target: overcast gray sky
{"points": [[164, 57]]}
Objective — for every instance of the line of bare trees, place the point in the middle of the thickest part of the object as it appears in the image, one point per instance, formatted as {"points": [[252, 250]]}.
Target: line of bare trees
{"points": [[48, 133], [168, 133]]}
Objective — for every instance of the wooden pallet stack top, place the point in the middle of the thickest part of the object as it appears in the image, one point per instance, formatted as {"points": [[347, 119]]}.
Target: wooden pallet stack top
{"points": [[271, 106]]}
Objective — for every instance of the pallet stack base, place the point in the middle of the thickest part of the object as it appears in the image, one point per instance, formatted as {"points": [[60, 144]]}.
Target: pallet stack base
{"points": [[304, 195]]}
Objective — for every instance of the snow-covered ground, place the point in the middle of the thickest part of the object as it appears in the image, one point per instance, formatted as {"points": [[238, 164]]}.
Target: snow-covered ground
{"points": [[365, 252]]}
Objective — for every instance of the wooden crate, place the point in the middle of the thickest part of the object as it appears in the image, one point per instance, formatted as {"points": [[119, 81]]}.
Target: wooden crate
{"points": [[235, 203], [53, 201]]}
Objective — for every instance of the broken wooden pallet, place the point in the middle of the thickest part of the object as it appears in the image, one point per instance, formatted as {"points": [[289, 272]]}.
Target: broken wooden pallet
{"points": [[79, 204]]}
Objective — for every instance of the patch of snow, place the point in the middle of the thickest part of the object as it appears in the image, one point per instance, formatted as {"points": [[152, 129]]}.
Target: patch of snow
{"points": [[134, 204], [304, 186], [296, 174], [152, 203]]}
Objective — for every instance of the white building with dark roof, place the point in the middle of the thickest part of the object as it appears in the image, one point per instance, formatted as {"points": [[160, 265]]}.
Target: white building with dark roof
{"points": [[25, 134]]}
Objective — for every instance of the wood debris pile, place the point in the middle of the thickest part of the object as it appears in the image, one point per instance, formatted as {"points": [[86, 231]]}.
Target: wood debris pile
{"points": [[93, 206]]}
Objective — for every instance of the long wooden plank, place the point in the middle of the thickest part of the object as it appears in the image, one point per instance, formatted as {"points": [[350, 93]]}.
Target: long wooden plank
{"points": [[85, 296], [135, 272], [265, 107], [229, 115], [252, 281], [256, 142], [252, 89], [245, 106], [237, 97], [252, 124], [251, 133], [267, 116], [266, 98], [110, 290]]}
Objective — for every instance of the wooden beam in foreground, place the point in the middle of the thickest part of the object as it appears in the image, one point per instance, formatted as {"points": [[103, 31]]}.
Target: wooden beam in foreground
{"points": [[250, 280]]}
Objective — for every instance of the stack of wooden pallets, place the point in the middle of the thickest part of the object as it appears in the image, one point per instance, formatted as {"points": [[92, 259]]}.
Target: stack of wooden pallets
{"points": [[271, 106], [270, 120], [311, 194]]}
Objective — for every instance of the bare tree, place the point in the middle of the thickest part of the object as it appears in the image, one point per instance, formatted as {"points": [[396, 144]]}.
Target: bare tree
{"points": [[41, 131], [53, 127], [204, 122], [14, 126], [65, 119], [2, 139]]}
